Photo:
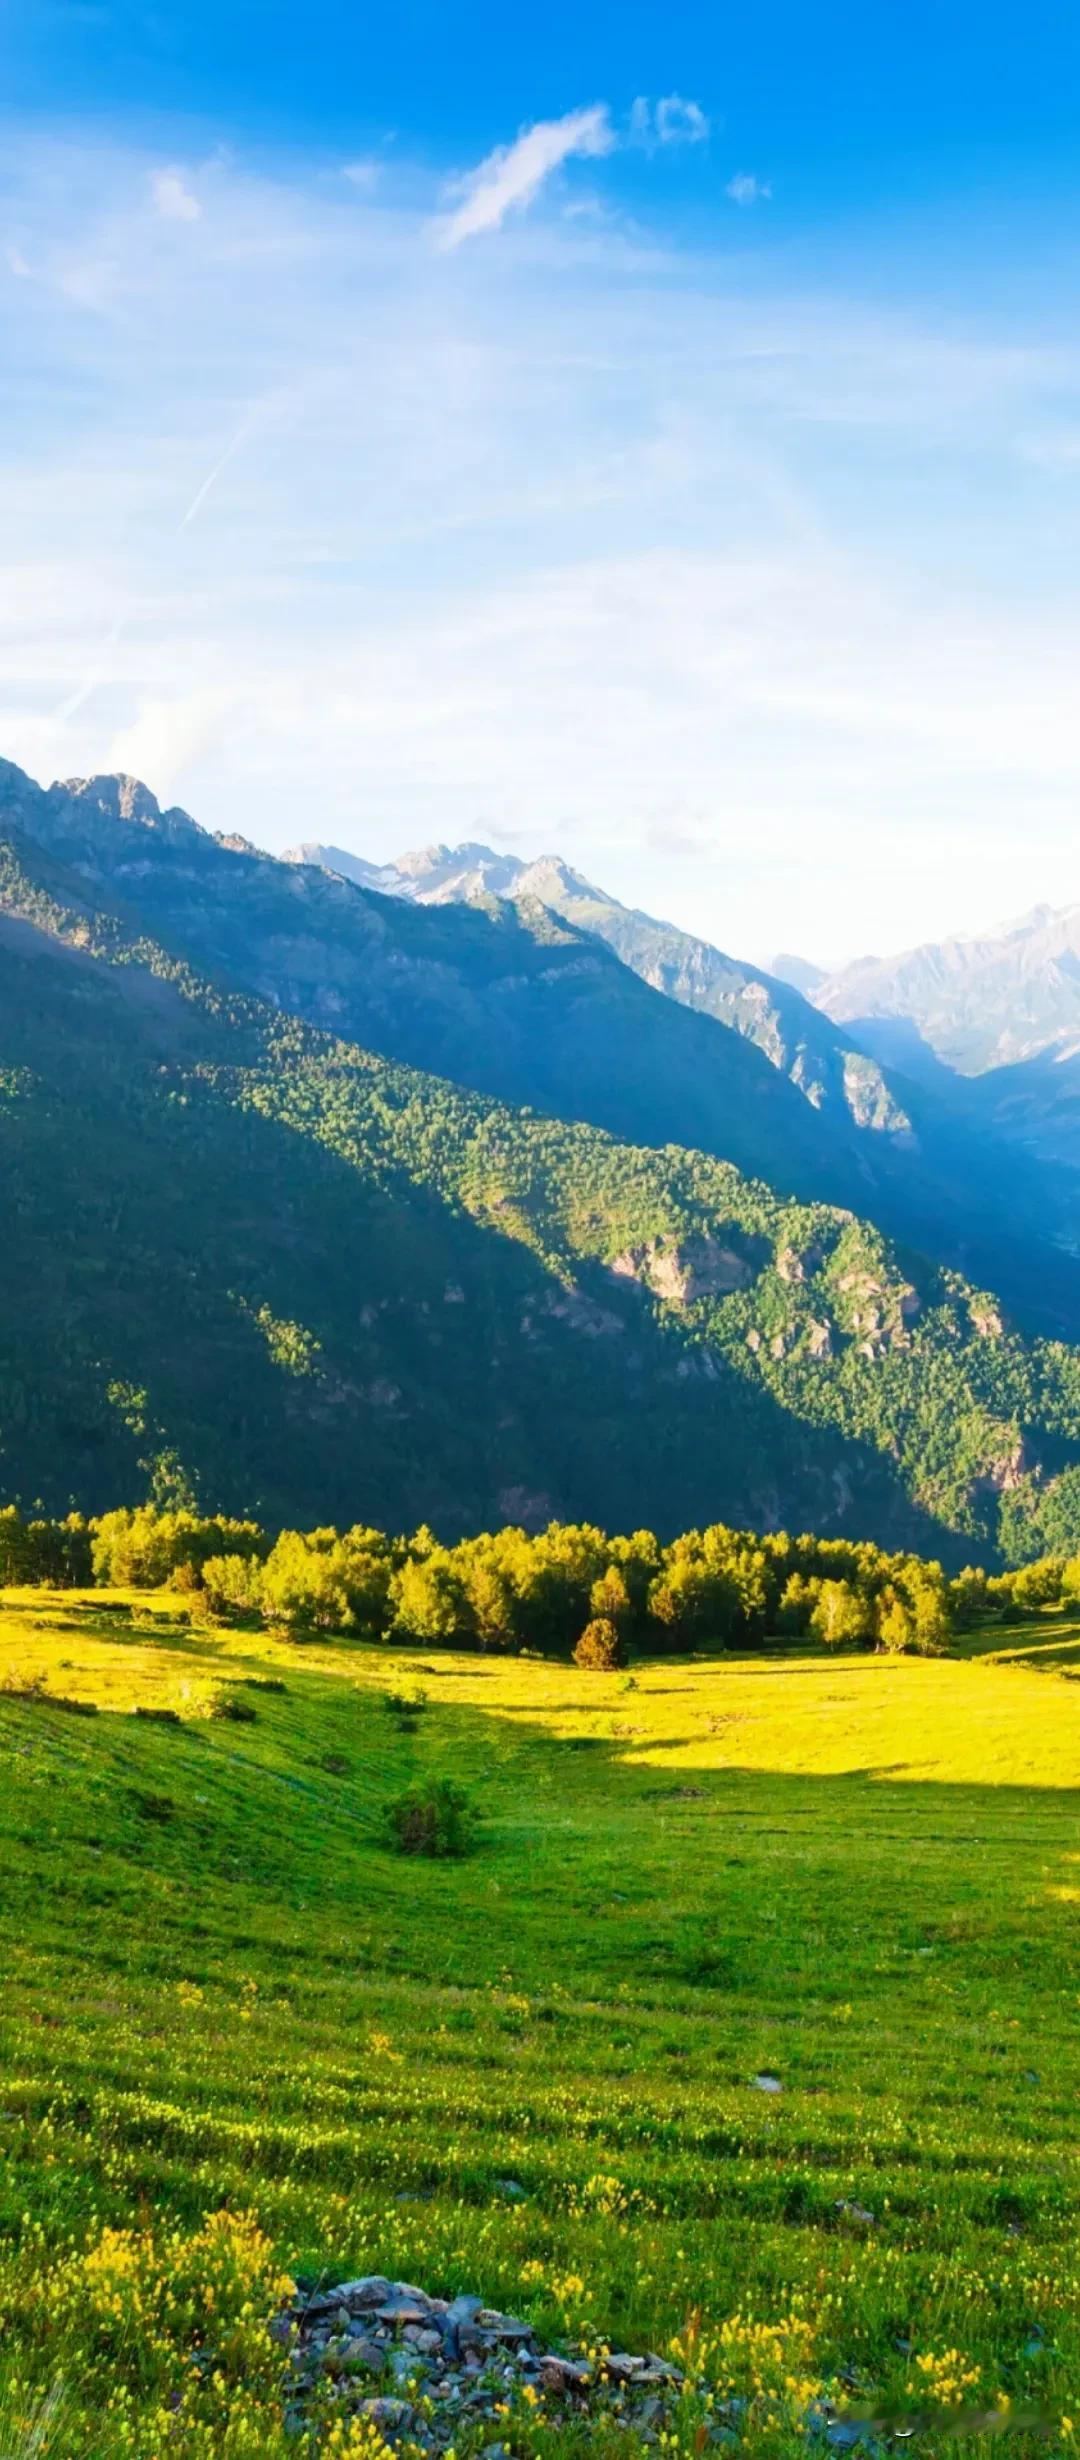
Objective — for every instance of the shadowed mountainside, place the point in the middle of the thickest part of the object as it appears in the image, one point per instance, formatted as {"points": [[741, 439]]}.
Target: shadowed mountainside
{"points": [[317, 1282]]}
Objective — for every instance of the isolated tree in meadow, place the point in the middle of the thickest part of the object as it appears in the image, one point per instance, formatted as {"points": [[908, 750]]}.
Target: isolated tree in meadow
{"points": [[600, 1647]]}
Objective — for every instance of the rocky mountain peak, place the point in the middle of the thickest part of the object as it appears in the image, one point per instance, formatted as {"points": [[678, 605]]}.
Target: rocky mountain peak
{"points": [[119, 797]]}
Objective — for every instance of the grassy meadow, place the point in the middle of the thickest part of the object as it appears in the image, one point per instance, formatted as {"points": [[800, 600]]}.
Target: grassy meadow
{"points": [[241, 2039]]}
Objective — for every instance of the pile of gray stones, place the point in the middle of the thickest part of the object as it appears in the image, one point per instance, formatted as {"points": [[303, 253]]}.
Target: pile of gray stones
{"points": [[436, 2371]]}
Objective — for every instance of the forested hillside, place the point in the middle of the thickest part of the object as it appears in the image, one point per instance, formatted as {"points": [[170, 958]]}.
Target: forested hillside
{"points": [[249, 1258], [511, 1000]]}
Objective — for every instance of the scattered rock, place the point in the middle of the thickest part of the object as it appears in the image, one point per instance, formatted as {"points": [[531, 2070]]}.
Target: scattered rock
{"points": [[446, 2368], [766, 2082], [443, 2361], [385, 2413], [564, 2375]]}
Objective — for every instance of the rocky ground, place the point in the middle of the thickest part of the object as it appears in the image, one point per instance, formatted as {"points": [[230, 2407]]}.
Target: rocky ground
{"points": [[427, 2370]]}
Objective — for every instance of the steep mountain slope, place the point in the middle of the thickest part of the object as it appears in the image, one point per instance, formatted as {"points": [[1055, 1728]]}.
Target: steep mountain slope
{"points": [[840, 1081], [322, 1285], [920, 1151], [514, 1001], [505, 998]]}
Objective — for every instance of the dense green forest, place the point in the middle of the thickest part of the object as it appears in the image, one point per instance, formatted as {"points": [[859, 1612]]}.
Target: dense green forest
{"points": [[248, 1261], [567, 1588]]}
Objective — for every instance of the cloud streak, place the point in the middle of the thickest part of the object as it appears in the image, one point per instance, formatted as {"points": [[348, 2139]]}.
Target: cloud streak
{"points": [[508, 179], [213, 475]]}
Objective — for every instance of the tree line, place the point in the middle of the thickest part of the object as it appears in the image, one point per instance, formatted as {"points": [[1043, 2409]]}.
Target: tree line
{"points": [[569, 1587]]}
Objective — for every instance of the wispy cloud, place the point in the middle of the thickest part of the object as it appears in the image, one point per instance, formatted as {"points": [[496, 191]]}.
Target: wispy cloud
{"points": [[572, 532], [363, 174], [679, 122], [671, 121], [172, 197], [1056, 449], [513, 175], [746, 189]]}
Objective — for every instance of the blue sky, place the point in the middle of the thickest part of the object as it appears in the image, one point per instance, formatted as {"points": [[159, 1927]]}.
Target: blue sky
{"points": [[646, 433]]}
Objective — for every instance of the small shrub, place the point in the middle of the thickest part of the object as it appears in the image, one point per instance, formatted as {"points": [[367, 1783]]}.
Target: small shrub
{"points": [[405, 1708], [232, 1711], [264, 1682], [600, 1647], [436, 1820], [160, 1808], [160, 1716]]}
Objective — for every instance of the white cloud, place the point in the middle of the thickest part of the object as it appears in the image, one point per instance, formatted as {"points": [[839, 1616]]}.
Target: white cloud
{"points": [[746, 189], [363, 174], [168, 739], [172, 197], [679, 122], [17, 264], [514, 174], [671, 121]]}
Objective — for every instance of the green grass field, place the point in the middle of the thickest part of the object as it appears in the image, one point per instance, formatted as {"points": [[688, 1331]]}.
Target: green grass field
{"points": [[222, 1991]]}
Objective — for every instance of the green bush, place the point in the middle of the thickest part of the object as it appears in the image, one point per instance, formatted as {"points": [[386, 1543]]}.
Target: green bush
{"points": [[437, 1820], [405, 1707]]}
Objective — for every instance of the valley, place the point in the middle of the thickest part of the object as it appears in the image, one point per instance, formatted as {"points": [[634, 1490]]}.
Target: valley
{"points": [[532, 2074]]}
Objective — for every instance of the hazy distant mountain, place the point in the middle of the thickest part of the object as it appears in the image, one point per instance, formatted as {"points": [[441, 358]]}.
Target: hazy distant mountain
{"points": [[383, 877], [798, 972], [1003, 1010], [826, 1069], [979, 1003]]}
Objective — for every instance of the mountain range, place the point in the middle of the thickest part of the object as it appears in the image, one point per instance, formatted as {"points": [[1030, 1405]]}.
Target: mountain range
{"points": [[1000, 1012], [913, 1144], [332, 1203], [832, 1075]]}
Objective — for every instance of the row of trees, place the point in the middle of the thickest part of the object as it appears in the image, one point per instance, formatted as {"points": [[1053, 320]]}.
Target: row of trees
{"points": [[509, 1590]]}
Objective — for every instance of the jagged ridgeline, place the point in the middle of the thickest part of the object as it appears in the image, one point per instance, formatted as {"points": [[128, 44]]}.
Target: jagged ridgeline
{"points": [[538, 1007], [316, 1285]]}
